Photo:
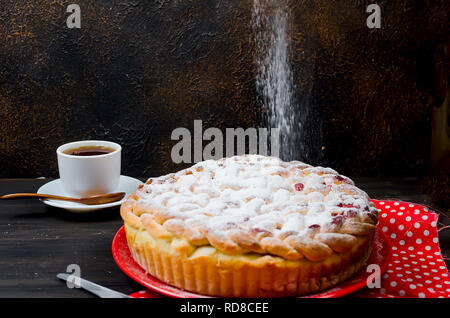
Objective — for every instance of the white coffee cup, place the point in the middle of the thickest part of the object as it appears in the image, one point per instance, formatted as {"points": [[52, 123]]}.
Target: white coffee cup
{"points": [[89, 175]]}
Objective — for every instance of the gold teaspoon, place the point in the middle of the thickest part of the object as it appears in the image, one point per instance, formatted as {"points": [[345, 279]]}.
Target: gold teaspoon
{"points": [[93, 200]]}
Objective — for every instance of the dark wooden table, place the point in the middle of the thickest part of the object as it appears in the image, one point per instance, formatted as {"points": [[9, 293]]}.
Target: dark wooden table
{"points": [[38, 241]]}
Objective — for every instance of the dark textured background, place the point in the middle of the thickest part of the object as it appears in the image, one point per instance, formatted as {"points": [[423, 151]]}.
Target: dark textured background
{"points": [[136, 70]]}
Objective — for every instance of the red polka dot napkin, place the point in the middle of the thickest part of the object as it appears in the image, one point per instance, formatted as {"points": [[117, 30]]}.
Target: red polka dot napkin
{"points": [[416, 268]]}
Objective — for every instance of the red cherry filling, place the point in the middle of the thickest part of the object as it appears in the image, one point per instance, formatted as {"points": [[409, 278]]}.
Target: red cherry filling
{"points": [[259, 231], [337, 219], [299, 186], [343, 205]]}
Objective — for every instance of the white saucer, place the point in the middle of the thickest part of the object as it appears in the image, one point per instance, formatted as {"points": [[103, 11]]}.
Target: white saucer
{"points": [[126, 184]]}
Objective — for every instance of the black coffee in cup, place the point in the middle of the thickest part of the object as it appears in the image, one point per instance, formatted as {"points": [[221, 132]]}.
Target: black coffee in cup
{"points": [[88, 151]]}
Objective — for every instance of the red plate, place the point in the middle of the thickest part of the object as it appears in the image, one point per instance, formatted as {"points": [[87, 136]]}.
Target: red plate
{"points": [[381, 254]]}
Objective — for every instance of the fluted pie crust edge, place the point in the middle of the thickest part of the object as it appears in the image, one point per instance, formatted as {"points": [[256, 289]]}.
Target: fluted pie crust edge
{"points": [[250, 226], [206, 270]]}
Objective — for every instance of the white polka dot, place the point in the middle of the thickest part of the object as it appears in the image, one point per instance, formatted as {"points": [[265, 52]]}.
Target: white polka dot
{"points": [[394, 248], [393, 210], [421, 295], [433, 224], [387, 206], [411, 205], [418, 276], [383, 215], [400, 213], [401, 227], [428, 281], [440, 286], [408, 218], [411, 248], [382, 291], [384, 229], [409, 234], [392, 221], [393, 284], [416, 210], [416, 225], [412, 286], [402, 208], [401, 293], [427, 248], [381, 203], [399, 275], [402, 242], [419, 241], [425, 217], [393, 236], [426, 233], [435, 240]]}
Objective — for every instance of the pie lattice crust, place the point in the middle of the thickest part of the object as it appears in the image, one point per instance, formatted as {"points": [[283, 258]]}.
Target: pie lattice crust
{"points": [[250, 226]]}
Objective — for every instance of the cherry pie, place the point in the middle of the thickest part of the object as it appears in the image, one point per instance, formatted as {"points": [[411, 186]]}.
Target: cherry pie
{"points": [[250, 226]]}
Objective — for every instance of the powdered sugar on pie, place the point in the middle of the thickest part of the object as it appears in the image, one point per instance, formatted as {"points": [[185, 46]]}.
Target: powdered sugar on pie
{"points": [[259, 204]]}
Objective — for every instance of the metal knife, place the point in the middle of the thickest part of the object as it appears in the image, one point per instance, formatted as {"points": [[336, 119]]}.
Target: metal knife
{"points": [[95, 289]]}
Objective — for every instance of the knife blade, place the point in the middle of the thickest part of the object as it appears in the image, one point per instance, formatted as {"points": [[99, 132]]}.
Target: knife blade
{"points": [[95, 289]]}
